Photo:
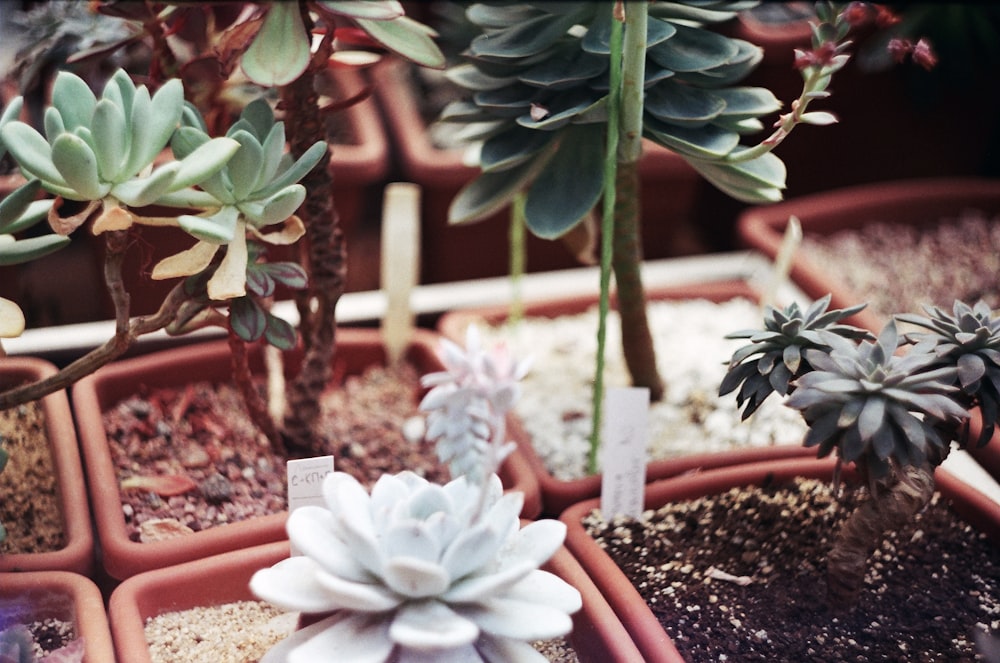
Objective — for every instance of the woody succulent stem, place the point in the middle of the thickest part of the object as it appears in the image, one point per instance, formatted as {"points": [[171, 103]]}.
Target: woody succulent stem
{"points": [[326, 261], [890, 507]]}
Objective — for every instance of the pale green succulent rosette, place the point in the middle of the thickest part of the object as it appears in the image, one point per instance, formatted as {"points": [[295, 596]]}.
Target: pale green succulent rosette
{"points": [[257, 188], [409, 576], [102, 151]]}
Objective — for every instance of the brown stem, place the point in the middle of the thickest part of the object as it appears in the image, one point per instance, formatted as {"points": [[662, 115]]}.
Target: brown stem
{"points": [[252, 397], [637, 341], [889, 507], [326, 264], [126, 331]]}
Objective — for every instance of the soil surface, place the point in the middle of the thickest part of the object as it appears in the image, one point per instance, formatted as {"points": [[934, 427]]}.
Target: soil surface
{"points": [[243, 631], [741, 577], [199, 441], [29, 507], [886, 264]]}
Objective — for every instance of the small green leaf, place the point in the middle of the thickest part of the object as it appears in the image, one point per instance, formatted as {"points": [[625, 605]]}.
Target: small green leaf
{"points": [[247, 319], [279, 53], [273, 149], [289, 274], [491, 192], [259, 282], [693, 49], [708, 142], [77, 163], [15, 204], [279, 333], [818, 118]]}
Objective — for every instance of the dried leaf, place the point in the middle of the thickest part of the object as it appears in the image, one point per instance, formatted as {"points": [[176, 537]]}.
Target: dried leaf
{"points": [[165, 486]]}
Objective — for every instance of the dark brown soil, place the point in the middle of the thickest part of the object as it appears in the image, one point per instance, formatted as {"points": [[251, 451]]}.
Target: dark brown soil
{"points": [[29, 507], [929, 588], [202, 433]]}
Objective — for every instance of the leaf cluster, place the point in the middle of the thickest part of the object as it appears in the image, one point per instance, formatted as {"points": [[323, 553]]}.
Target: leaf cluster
{"points": [[968, 339], [538, 76], [776, 356]]}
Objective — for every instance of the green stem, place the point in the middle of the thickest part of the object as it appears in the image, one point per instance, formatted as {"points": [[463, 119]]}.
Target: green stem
{"points": [[607, 234], [518, 257], [637, 340]]}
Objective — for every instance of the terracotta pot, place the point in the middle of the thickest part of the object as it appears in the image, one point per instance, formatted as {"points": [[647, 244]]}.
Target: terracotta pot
{"points": [[652, 640], [452, 253], [598, 636], [77, 555], [558, 494], [921, 203], [65, 596], [357, 348]]}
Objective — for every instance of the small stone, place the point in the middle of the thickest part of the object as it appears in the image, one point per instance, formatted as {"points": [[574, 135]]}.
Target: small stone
{"points": [[216, 488], [162, 529]]}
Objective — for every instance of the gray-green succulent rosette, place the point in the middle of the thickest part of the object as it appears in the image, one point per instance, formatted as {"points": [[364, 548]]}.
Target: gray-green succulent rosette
{"points": [[410, 573], [538, 76]]}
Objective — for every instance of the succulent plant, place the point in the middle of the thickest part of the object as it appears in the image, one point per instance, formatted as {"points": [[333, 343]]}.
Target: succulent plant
{"points": [[468, 403], [256, 188], [100, 151], [969, 340], [17, 645], [775, 355], [875, 407], [410, 573]]}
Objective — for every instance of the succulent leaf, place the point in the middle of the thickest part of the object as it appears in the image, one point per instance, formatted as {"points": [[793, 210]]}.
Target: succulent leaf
{"points": [[279, 53]]}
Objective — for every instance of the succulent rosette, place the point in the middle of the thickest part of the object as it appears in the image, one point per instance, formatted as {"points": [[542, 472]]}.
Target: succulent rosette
{"points": [[416, 571]]}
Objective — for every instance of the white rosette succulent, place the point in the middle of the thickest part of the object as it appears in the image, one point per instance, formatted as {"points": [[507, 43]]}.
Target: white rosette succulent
{"points": [[417, 571]]}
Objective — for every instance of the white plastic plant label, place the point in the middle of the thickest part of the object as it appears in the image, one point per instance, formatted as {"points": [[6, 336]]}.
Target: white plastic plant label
{"points": [[625, 437], [305, 482]]}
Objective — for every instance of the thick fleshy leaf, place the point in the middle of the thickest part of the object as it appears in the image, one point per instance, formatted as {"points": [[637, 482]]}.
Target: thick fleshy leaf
{"points": [[30, 248], [736, 181], [748, 102], [693, 49], [971, 368], [430, 625], [380, 10], [32, 152], [473, 548], [406, 37], [523, 620], [245, 165], [204, 161], [513, 147], [16, 204], [77, 163], [277, 208], [296, 171], [273, 147], [355, 638], [548, 588], [477, 588], [279, 53], [291, 585], [683, 105], [310, 529], [112, 137], [358, 596], [142, 191], [11, 321], [165, 110], [219, 228], [707, 143], [491, 192], [470, 77], [185, 263], [523, 39], [566, 69], [569, 185], [230, 278], [74, 99]]}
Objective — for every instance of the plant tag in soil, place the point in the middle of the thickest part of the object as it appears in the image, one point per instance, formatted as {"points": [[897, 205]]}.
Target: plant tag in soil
{"points": [[625, 436], [305, 482]]}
